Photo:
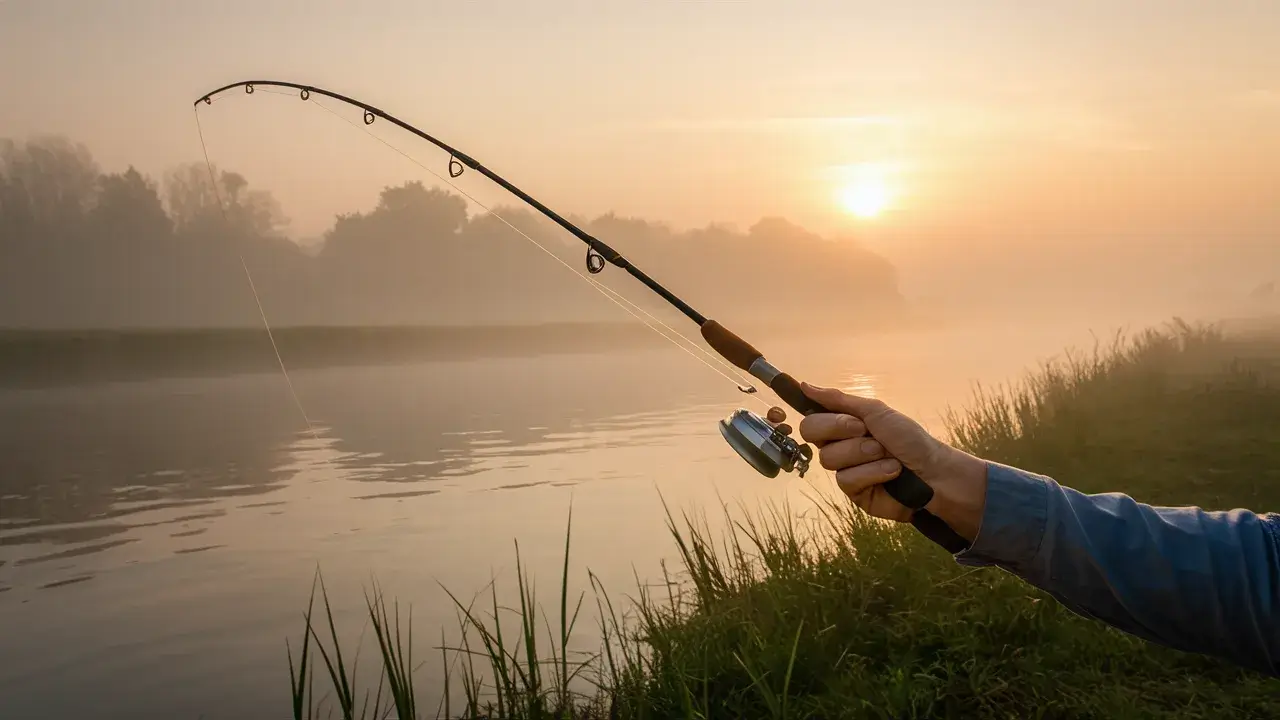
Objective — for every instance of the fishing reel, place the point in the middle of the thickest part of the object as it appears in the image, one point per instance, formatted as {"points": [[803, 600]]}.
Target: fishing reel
{"points": [[763, 446]]}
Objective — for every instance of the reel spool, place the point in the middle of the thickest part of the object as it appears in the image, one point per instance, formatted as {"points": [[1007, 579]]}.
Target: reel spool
{"points": [[762, 446]]}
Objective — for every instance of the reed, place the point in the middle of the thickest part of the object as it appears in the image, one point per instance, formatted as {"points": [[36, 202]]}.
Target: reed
{"points": [[834, 614]]}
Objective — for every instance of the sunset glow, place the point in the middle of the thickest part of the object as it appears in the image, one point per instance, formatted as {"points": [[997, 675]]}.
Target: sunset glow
{"points": [[867, 193]]}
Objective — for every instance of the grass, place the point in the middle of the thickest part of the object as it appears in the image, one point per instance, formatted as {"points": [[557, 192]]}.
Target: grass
{"points": [[832, 614]]}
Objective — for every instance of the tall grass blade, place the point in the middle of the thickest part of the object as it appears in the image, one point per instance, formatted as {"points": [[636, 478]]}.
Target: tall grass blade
{"points": [[298, 683], [336, 666], [397, 662]]}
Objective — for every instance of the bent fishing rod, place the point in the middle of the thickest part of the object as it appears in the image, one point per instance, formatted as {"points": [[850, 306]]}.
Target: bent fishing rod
{"points": [[762, 445]]}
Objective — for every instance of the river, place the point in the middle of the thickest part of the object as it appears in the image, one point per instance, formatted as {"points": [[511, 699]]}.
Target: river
{"points": [[158, 538]]}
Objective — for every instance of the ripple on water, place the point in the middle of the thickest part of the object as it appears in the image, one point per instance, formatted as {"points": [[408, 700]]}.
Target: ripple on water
{"points": [[75, 552], [202, 548], [402, 494], [68, 581], [517, 486], [18, 522], [63, 535], [271, 503], [188, 518]]}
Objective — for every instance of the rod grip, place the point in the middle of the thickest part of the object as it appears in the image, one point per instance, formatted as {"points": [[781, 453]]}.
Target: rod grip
{"points": [[908, 488], [731, 347]]}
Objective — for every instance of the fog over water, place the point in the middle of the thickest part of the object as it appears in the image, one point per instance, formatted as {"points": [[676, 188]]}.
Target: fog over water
{"points": [[902, 201]]}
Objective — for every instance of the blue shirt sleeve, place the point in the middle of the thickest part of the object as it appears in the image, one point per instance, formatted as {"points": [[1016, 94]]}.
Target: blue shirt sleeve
{"points": [[1203, 582]]}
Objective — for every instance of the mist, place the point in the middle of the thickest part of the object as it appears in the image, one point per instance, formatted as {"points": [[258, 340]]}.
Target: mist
{"points": [[86, 248], [956, 208], [1073, 163]]}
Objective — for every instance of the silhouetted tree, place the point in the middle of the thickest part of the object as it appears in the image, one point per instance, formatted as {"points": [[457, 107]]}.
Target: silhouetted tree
{"points": [[408, 220], [128, 210], [634, 230], [81, 248], [200, 208], [49, 185]]}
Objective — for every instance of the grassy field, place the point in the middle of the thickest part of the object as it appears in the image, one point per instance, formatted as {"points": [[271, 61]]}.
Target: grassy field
{"points": [[838, 616]]}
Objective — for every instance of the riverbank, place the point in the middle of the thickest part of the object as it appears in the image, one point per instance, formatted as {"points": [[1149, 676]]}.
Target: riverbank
{"points": [[41, 358], [44, 358], [837, 616]]}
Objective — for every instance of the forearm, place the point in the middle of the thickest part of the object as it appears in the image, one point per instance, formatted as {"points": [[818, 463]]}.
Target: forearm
{"points": [[1206, 582]]}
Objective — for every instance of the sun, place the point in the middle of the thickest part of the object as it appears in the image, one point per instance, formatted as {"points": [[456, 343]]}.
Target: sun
{"points": [[865, 200], [867, 193]]}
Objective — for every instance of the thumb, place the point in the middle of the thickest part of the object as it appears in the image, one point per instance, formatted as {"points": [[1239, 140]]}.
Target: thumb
{"points": [[842, 402]]}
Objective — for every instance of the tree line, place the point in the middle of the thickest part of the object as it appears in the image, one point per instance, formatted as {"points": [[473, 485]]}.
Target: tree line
{"points": [[83, 248]]}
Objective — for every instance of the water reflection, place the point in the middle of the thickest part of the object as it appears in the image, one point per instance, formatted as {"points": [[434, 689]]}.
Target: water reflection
{"points": [[858, 384], [74, 552], [157, 539], [83, 470], [455, 420], [90, 470]]}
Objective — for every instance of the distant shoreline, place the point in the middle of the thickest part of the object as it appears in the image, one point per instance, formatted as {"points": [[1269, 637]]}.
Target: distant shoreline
{"points": [[32, 358], [35, 358]]}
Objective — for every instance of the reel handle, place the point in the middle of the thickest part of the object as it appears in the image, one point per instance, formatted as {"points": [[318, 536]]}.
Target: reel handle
{"points": [[908, 488]]}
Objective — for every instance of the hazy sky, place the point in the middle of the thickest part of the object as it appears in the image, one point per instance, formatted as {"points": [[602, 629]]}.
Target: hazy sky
{"points": [[977, 121]]}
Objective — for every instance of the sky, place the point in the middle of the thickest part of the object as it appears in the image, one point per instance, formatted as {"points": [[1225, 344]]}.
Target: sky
{"points": [[933, 131]]}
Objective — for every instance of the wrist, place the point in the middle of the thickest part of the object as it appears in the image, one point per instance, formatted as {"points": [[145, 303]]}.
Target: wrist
{"points": [[960, 492]]}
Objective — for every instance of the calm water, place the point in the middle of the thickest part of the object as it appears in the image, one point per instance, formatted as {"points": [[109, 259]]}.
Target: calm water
{"points": [[158, 539]]}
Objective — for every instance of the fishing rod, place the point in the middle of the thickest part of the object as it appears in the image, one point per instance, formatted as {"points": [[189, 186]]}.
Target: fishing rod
{"points": [[762, 445]]}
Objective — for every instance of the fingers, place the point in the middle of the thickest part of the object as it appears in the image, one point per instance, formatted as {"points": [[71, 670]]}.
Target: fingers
{"points": [[838, 401], [861, 498], [824, 428], [861, 478], [847, 453]]}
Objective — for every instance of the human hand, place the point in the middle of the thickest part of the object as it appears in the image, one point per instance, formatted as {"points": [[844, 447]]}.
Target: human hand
{"points": [[866, 442]]}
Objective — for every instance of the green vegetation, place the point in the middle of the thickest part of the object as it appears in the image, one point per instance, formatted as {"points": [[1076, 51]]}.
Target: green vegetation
{"points": [[836, 615]]}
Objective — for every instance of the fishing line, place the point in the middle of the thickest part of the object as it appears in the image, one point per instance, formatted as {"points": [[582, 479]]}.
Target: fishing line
{"points": [[262, 313], [755, 439], [609, 293], [614, 296], [213, 180]]}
